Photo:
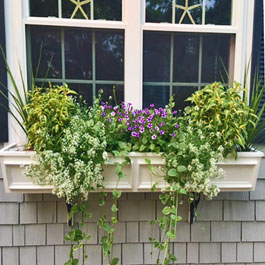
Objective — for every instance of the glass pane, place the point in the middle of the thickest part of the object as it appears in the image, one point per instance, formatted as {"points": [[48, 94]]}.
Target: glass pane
{"points": [[218, 12], [45, 44], [188, 12], [186, 58], [215, 57], [78, 54], [158, 95], [156, 57], [159, 11], [46, 84], [108, 92], [109, 10], [71, 10], [110, 55], [43, 8], [85, 90], [182, 93]]}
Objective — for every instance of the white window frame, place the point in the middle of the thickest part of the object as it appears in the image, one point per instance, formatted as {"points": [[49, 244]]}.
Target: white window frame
{"points": [[133, 23]]}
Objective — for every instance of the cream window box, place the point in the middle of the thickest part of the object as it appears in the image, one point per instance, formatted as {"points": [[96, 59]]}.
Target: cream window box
{"points": [[241, 173]]}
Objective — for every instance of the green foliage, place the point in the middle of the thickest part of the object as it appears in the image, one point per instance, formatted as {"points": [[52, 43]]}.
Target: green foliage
{"points": [[18, 98], [223, 115], [49, 113], [255, 127]]}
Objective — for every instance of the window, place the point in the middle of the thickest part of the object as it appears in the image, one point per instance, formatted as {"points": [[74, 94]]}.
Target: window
{"points": [[148, 49]]}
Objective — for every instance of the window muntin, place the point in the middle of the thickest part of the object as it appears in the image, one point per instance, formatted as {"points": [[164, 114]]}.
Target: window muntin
{"points": [[86, 59], [217, 12], [78, 9]]}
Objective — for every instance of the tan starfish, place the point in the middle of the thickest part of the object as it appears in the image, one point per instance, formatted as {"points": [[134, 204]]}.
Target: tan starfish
{"points": [[79, 5], [187, 9]]}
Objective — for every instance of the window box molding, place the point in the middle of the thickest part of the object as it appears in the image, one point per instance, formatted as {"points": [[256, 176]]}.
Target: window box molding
{"points": [[241, 173]]}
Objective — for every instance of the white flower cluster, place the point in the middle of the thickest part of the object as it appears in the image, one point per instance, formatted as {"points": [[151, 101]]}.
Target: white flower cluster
{"points": [[196, 154], [77, 168]]}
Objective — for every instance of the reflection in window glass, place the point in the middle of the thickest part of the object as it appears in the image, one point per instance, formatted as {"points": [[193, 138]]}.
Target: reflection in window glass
{"points": [[110, 55], [78, 54], [83, 57], [159, 11], [215, 57], [108, 92], [83, 89], [156, 57], [109, 10], [182, 62], [186, 58], [43, 8], [157, 95], [181, 94], [216, 12], [45, 44]]}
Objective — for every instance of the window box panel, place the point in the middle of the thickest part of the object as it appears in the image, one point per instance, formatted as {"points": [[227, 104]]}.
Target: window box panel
{"points": [[241, 174]]}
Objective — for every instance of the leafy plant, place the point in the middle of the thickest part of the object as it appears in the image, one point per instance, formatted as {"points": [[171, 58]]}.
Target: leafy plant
{"points": [[19, 98], [49, 112], [223, 115], [255, 127]]}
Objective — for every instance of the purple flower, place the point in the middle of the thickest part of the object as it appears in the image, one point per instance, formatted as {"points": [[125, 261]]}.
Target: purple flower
{"points": [[135, 134], [116, 107], [113, 113], [120, 119], [103, 114], [157, 112], [141, 130], [142, 121], [147, 112], [130, 128], [127, 117], [154, 136], [162, 132], [149, 125], [127, 123], [151, 130], [136, 126], [173, 135], [108, 120], [175, 112], [162, 124], [157, 128], [152, 105], [177, 126]]}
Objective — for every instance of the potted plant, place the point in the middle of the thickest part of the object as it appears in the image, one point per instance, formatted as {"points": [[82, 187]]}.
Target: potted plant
{"points": [[75, 150]]}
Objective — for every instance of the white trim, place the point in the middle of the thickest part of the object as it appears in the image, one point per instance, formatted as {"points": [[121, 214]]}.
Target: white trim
{"points": [[133, 46], [244, 20], [15, 53], [190, 28], [66, 22]]}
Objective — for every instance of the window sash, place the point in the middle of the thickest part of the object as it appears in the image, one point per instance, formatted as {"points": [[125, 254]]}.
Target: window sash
{"points": [[133, 23]]}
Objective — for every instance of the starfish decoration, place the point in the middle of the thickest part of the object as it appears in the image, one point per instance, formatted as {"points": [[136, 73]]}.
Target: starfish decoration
{"points": [[186, 10], [79, 5]]}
